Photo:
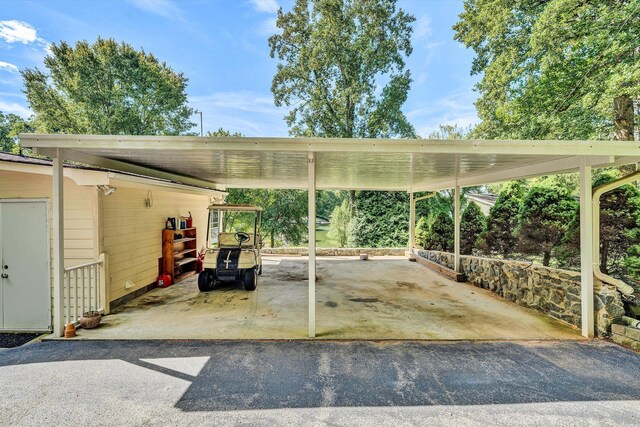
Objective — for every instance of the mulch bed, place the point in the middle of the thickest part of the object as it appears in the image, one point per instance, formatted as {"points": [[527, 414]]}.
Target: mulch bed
{"points": [[11, 340]]}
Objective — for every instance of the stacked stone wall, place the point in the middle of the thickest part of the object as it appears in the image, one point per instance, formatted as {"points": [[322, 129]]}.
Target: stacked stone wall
{"points": [[551, 291], [336, 251]]}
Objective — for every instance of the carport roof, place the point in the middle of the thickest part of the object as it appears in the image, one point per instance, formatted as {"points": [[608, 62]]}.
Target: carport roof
{"points": [[373, 164]]}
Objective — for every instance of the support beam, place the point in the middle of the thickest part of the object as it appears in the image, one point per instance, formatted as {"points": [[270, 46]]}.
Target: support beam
{"points": [[311, 214], [456, 234], [58, 243], [412, 221], [587, 247]]}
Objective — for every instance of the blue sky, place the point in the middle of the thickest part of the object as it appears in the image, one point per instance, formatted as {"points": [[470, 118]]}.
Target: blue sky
{"points": [[221, 46]]}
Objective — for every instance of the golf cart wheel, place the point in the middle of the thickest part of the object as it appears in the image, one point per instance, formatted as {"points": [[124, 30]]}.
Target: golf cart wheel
{"points": [[206, 281], [250, 279]]}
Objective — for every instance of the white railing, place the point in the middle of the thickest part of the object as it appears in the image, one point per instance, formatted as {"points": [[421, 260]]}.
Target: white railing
{"points": [[84, 289]]}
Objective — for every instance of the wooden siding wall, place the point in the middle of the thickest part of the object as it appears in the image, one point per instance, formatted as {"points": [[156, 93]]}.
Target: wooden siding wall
{"points": [[131, 234], [80, 208]]}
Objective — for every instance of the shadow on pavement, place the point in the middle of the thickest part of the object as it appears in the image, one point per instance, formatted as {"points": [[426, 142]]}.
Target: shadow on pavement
{"points": [[266, 375]]}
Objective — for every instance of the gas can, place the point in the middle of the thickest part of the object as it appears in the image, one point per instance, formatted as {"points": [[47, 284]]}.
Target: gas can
{"points": [[164, 280]]}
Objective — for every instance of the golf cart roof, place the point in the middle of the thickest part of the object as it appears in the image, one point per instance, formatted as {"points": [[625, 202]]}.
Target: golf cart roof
{"points": [[235, 208]]}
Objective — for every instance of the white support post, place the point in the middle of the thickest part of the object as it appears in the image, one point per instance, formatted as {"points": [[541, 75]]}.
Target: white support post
{"points": [[456, 234], [58, 243], [412, 222], [311, 214], [587, 247]]}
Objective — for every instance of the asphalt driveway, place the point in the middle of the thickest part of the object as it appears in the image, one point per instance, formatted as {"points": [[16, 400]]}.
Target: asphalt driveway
{"points": [[321, 382]]}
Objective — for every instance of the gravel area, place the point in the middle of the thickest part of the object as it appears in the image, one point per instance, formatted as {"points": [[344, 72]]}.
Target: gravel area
{"points": [[12, 340]]}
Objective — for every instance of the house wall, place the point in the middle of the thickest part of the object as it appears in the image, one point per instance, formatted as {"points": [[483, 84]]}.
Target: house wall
{"points": [[80, 205], [131, 234], [80, 211]]}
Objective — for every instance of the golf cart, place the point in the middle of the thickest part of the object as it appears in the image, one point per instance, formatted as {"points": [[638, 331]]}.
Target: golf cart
{"points": [[233, 247]]}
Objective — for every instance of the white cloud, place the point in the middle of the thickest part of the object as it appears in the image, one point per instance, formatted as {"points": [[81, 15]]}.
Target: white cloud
{"points": [[17, 32], [267, 6], [248, 112], [422, 28], [15, 108], [164, 8], [455, 108], [5, 66], [268, 27]]}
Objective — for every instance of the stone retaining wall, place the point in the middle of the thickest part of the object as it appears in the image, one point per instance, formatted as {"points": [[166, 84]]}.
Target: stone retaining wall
{"points": [[549, 290], [626, 335], [335, 251]]}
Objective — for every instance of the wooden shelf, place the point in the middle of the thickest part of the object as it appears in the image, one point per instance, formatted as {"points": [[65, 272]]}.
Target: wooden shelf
{"points": [[186, 251], [184, 239], [184, 261], [179, 255]]}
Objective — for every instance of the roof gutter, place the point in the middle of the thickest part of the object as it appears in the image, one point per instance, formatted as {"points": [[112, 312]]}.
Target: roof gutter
{"points": [[622, 287]]}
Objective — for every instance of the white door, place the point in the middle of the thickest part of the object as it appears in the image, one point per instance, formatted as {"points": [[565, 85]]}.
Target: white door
{"points": [[25, 296]]}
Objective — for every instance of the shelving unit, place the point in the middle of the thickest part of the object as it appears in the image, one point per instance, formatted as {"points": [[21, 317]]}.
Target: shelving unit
{"points": [[179, 255]]}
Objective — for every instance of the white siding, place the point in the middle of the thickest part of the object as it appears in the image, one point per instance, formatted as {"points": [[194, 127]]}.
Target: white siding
{"points": [[131, 234]]}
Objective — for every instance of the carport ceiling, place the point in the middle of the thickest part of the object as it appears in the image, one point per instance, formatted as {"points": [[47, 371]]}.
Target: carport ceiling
{"points": [[375, 164]]}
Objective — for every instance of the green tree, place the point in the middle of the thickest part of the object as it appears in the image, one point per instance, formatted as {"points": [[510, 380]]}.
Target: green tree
{"points": [[284, 214], [619, 229], [11, 125], [450, 132], [502, 221], [381, 219], [555, 69], [339, 224], [422, 232], [543, 219], [333, 56], [341, 69], [472, 224], [441, 233], [106, 88]]}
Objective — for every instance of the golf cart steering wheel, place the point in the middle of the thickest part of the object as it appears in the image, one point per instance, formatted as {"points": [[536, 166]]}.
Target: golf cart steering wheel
{"points": [[241, 237]]}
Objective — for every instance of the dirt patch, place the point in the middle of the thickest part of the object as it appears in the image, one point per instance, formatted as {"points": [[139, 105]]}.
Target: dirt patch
{"points": [[408, 285], [364, 299], [331, 304]]}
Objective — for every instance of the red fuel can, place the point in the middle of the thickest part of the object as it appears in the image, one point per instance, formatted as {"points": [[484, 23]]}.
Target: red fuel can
{"points": [[164, 280]]}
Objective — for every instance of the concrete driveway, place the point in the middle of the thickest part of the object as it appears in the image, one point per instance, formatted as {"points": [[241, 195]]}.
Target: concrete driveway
{"points": [[383, 298], [319, 383]]}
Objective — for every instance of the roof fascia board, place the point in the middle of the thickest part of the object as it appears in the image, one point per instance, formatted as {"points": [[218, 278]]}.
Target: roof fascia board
{"points": [[563, 165], [117, 179], [79, 176], [535, 147], [103, 162]]}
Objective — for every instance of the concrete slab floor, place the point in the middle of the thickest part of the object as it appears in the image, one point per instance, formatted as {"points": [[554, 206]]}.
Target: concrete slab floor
{"points": [[383, 298]]}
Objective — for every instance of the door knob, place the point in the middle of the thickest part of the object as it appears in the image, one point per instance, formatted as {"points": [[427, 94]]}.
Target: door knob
{"points": [[4, 276]]}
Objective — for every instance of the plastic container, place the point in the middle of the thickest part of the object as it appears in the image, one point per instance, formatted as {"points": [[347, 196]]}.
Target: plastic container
{"points": [[164, 280]]}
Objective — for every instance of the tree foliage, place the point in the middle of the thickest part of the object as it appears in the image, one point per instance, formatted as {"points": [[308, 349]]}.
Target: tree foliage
{"points": [[543, 219], [472, 224], [551, 69], [619, 229], [11, 125], [441, 233], [284, 214], [106, 88], [381, 219], [332, 56], [339, 224], [502, 221]]}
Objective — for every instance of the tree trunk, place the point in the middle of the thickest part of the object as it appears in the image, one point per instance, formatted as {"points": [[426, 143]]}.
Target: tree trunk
{"points": [[623, 118], [546, 259], [352, 202], [272, 237]]}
